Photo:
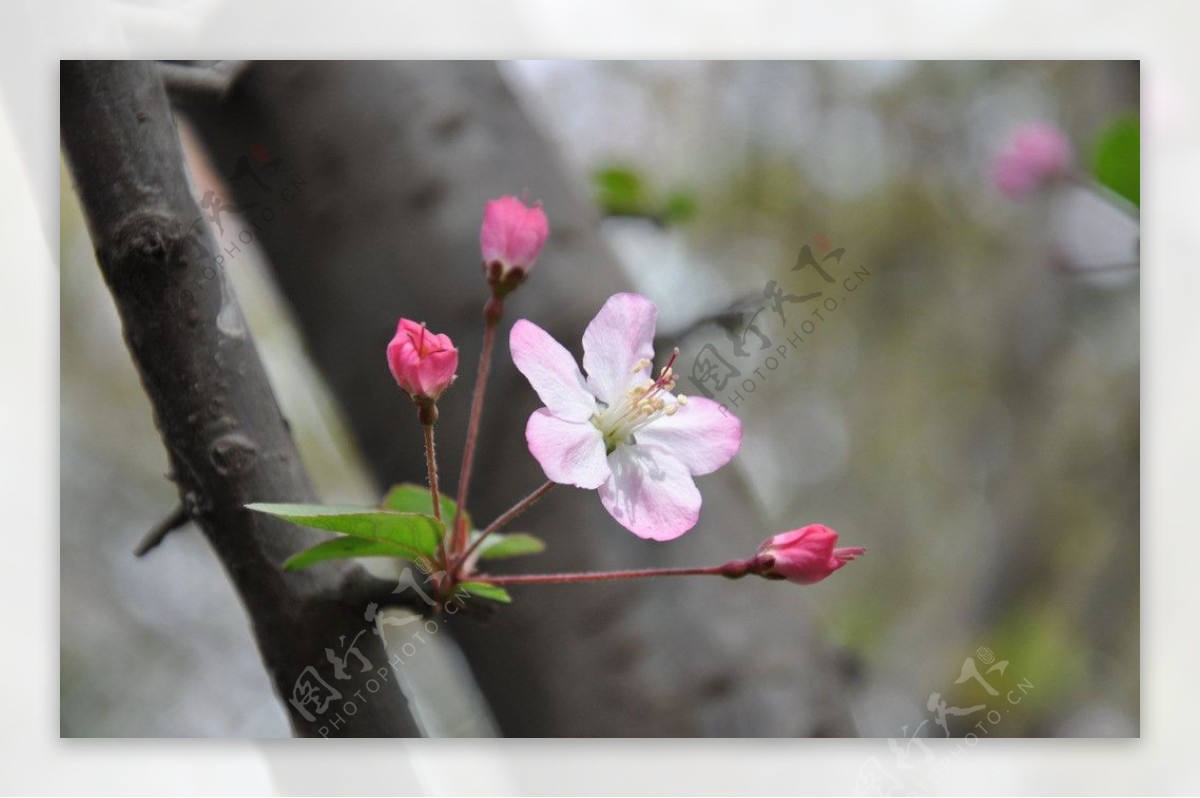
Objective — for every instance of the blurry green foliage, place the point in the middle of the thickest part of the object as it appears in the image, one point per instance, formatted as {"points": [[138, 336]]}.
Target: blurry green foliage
{"points": [[621, 191], [1116, 158]]}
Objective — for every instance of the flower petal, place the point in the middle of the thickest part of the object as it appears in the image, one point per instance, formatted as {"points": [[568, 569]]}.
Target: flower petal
{"points": [[701, 435], [650, 493], [570, 452], [551, 371], [621, 334]]}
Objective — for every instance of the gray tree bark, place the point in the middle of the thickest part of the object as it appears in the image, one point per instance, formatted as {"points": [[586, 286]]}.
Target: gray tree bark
{"points": [[226, 439], [397, 161]]}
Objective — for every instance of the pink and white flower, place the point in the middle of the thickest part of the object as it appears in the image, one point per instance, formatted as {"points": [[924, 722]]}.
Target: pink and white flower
{"points": [[618, 429]]}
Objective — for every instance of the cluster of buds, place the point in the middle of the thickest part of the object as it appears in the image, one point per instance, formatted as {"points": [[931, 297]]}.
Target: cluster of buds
{"points": [[424, 365], [511, 239]]}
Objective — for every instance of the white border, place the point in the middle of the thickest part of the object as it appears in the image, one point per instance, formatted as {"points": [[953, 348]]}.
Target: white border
{"points": [[32, 758]]}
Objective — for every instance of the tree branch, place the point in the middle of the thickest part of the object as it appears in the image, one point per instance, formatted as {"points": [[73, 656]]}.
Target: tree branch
{"points": [[226, 439], [199, 82], [159, 531]]}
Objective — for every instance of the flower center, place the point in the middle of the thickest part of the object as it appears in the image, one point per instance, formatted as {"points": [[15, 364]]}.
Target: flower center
{"points": [[643, 403], [422, 345]]}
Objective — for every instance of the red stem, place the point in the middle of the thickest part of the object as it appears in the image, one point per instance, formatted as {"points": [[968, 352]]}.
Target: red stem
{"points": [[468, 460], [431, 472], [502, 520], [734, 569]]}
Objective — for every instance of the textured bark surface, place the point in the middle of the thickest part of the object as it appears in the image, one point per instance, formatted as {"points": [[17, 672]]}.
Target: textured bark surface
{"points": [[227, 442], [398, 159]]}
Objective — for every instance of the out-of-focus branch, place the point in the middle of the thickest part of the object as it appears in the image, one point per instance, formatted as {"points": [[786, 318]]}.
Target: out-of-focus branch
{"points": [[226, 439], [200, 82]]}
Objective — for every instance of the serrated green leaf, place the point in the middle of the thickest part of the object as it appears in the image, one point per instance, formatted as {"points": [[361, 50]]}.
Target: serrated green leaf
{"points": [[514, 544], [416, 533], [345, 548], [1116, 158], [408, 497], [468, 590]]}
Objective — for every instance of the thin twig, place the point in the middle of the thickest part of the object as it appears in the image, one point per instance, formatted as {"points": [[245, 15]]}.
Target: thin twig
{"points": [[432, 471], [459, 541], [502, 520], [734, 569], [159, 531]]}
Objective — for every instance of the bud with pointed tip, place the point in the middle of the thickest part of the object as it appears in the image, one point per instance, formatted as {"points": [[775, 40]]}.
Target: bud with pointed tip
{"points": [[422, 362], [804, 556]]}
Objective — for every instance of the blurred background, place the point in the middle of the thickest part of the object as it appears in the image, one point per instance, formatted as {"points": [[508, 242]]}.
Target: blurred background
{"points": [[967, 408]]}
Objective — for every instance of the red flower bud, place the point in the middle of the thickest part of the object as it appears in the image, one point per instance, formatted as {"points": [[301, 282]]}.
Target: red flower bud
{"points": [[511, 238], [422, 363], [806, 555]]}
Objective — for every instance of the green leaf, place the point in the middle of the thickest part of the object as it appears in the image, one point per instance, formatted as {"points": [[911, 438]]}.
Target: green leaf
{"points": [[408, 497], [466, 590], [619, 191], [679, 207], [1116, 158], [416, 534], [515, 544], [344, 548]]}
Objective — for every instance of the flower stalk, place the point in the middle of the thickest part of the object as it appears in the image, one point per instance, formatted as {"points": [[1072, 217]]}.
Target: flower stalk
{"points": [[734, 569], [459, 540], [501, 522]]}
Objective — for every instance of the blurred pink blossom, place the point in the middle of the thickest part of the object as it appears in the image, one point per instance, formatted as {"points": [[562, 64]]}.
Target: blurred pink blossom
{"points": [[1034, 154]]}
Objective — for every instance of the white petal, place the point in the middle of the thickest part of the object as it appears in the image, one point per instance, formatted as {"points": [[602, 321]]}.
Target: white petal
{"points": [[551, 371], [621, 334], [650, 493], [570, 452], [700, 434]]}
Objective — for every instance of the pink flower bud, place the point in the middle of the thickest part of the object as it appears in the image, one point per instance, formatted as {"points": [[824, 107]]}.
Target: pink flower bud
{"points": [[806, 555], [511, 238], [422, 363], [1034, 154]]}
